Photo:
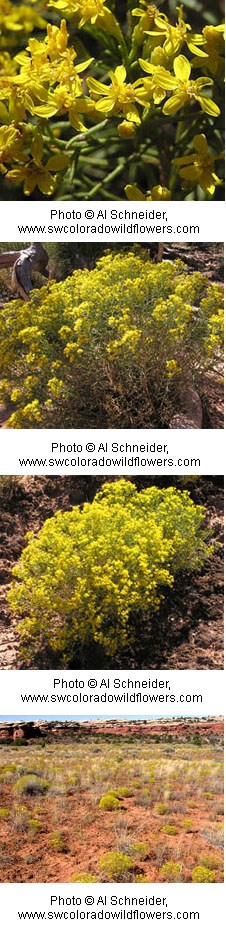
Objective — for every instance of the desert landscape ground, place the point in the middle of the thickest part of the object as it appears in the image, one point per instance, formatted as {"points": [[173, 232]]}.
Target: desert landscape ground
{"points": [[188, 629], [112, 801]]}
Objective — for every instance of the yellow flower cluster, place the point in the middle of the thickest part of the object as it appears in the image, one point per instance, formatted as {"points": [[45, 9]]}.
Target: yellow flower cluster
{"points": [[44, 97], [79, 355], [87, 572]]}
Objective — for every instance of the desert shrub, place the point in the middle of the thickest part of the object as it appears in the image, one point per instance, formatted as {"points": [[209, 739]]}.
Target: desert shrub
{"points": [[116, 866], [83, 878], [89, 572], [57, 842], [31, 785], [121, 792], [171, 871], [202, 875], [170, 829], [34, 825], [211, 861], [77, 355], [4, 812], [147, 114], [139, 850], [109, 802], [187, 825], [161, 809]]}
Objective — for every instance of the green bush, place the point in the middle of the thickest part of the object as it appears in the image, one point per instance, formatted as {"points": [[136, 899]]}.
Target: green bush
{"points": [[77, 355], [57, 842], [31, 785], [83, 878], [91, 573], [202, 875], [109, 802], [170, 829], [116, 866], [171, 871]]}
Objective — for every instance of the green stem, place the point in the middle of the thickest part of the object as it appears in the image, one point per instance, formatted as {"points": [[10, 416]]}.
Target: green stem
{"points": [[75, 141], [112, 175]]}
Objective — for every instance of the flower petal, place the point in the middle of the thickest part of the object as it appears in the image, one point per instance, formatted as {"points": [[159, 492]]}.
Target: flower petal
{"points": [[208, 106], [200, 143], [182, 68], [174, 104]]}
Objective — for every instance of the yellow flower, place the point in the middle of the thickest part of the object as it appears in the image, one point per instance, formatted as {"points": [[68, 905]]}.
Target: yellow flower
{"points": [[174, 37], [90, 11], [214, 50], [157, 193], [185, 91], [126, 129], [118, 97], [11, 145], [198, 167], [34, 174], [172, 367]]}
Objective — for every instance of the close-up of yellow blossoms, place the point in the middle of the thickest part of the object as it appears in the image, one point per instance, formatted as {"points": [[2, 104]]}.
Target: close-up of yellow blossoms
{"points": [[96, 100]]}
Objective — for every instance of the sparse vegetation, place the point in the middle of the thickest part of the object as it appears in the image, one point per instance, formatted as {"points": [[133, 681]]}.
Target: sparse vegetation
{"points": [[72, 840]]}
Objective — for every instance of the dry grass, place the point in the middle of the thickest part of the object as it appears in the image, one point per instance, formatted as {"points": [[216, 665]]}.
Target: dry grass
{"points": [[52, 830]]}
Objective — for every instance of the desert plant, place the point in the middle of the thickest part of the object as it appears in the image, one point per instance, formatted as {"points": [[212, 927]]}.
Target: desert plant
{"points": [[89, 572], [202, 875], [31, 785], [57, 842], [116, 866], [109, 802], [170, 829], [76, 355], [4, 812], [83, 878], [171, 871], [211, 861]]}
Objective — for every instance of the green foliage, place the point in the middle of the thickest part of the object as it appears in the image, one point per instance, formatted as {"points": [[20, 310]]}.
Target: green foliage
{"points": [[57, 842], [4, 813], [77, 355], [171, 871], [170, 829], [116, 866], [83, 878], [121, 793], [109, 802], [34, 825], [31, 785], [202, 875], [89, 572]]}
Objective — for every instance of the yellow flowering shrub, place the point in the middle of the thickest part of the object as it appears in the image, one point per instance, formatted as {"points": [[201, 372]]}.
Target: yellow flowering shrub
{"points": [[77, 355], [91, 572], [99, 99]]}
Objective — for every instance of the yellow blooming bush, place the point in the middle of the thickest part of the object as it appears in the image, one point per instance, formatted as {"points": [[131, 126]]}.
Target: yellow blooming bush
{"points": [[106, 99], [91, 573], [76, 355]]}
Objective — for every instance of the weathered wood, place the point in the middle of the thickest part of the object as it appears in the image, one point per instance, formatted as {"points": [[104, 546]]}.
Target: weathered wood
{"points": [[23, 262]]}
